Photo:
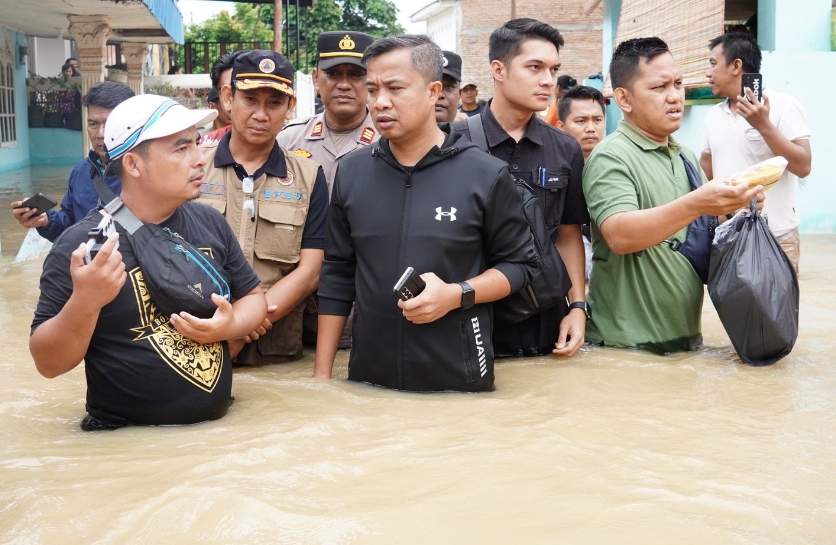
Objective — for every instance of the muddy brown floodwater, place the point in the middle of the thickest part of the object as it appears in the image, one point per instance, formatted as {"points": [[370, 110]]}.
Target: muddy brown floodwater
{"points": [[612, 446]]}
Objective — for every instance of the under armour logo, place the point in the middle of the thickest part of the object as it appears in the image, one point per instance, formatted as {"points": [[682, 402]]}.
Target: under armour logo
{"points": [[451, 214]]}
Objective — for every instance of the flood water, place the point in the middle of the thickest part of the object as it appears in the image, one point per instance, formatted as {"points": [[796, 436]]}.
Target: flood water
{"points": [[612, 446]]}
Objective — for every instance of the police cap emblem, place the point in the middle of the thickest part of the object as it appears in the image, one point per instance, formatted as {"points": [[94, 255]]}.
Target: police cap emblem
{"points": [[347, 43]]}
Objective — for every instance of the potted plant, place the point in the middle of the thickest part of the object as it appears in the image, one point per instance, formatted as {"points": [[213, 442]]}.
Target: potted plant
{"points": [[36, 115], [53, 99], [54, 117]]}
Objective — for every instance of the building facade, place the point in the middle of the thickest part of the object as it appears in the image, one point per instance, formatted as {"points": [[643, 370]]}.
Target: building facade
{"points": [[464, 26]]}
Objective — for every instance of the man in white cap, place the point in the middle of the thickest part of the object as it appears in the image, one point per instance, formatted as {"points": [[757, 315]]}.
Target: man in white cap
{"points": [[143, 367], [469, 93]]}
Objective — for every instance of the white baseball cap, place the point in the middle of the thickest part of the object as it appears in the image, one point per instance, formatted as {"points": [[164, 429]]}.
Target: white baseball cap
{"points": [[146, 117]]}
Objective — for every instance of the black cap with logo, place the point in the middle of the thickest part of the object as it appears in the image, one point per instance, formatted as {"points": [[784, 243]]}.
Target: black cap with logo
{"points": [[452, 65], [260, 69], [341, 47], [566, 82]]}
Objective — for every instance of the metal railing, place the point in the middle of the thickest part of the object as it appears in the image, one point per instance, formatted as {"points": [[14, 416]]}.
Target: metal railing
{"points": [[198, 57]]}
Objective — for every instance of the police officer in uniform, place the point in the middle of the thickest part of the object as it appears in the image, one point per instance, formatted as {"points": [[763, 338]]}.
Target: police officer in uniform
{"points": [[275, 201], [345, 125], [447, 107]]}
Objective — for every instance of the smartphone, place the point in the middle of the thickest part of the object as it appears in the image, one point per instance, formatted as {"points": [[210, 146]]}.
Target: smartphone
{"points": [[40, 202], [410, 285], [753, 82], [97, 236]]}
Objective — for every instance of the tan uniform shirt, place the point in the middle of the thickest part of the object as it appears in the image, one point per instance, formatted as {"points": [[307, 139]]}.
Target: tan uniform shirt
{"points": [[272, 243], [311, 138]]}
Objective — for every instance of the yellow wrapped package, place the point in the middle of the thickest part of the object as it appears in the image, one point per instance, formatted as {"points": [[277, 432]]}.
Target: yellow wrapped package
{"points": [[766, 173]]}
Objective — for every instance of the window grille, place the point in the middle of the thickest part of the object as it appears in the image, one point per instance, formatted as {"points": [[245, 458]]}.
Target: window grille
{"points": [[8, 117]]}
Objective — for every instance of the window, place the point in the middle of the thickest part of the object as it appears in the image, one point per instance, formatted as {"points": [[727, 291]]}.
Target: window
{"points": [[8, 119]]}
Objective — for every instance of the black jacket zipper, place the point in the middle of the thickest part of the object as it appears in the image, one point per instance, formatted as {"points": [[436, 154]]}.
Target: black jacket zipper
{"points": [[402, 265]]}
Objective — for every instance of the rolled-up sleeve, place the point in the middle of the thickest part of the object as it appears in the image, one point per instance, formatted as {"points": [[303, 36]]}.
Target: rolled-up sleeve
{"points": [[510, 245]]}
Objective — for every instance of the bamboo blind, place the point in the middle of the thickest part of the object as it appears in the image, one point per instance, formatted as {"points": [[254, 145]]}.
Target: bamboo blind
{"points": [[687, 26]]}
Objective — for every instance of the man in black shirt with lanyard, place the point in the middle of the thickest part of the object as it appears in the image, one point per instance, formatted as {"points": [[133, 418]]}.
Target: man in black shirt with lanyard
{"points": [[524, 64]]}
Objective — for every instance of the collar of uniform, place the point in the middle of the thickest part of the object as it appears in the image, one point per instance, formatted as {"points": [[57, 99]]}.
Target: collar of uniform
{"points": [[726, 106], [275, 164], [643, 141], [496, 134], [95, 162]]}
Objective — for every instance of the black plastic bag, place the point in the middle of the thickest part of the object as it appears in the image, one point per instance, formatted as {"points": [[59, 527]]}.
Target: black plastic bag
{"points": [[754, 288]]}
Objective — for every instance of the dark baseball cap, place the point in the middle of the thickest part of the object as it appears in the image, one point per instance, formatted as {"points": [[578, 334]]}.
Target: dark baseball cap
{"points": [[566, 82], [452, 65], [341, 47], [263, 69]]}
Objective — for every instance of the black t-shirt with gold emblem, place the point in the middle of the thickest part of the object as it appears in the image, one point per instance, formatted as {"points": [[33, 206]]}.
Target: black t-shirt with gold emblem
{"points": [[140, 369]]}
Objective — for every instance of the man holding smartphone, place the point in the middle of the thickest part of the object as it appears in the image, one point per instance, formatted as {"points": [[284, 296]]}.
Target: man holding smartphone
{"points": [[743, 131], [421, 197], [81, 195], [142, 366]]}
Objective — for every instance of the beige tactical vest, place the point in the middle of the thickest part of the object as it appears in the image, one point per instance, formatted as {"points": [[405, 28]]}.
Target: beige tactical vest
{"points": [[271, 242]]}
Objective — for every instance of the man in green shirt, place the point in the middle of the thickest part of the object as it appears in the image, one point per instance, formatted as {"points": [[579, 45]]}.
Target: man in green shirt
{"points": [[642, 293]]}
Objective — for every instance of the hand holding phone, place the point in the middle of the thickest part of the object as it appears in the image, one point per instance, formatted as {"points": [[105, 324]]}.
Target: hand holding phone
{"points": [[39, 202], [98, 236], [410, 285], [755, 83]]}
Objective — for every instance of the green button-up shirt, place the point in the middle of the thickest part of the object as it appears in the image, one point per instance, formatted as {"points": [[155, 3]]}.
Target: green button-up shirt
{"points": [[653, 301]]}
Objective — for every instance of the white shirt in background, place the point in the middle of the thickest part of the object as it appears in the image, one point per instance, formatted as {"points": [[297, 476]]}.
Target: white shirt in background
{"points": [[735, 145]]}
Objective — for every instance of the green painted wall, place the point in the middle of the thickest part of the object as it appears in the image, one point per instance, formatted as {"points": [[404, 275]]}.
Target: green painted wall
{"points": [[54, 146], [12, 158]]}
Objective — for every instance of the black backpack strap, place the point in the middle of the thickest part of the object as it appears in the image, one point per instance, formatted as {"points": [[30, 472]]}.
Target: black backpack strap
{"points": [[693, 175], [104, 192], [477, 132], [116, 208]]}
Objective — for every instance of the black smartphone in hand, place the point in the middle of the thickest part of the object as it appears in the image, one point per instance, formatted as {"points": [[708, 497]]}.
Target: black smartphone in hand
{"points": [[40, 202], [410, 285], [753, 82]]}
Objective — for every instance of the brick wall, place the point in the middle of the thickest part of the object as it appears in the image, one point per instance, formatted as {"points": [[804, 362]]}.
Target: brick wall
{"points": [[580, 56]]}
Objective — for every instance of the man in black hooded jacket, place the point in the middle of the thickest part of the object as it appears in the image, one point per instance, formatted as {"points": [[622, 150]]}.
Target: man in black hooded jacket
{"points": [[421, 197]]}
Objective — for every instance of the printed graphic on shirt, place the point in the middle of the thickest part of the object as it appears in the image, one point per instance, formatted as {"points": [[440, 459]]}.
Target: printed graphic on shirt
{"points": [[198, 363]]}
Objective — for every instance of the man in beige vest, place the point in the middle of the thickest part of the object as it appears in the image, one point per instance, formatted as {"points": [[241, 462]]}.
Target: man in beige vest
{"points": [[275, 201]]}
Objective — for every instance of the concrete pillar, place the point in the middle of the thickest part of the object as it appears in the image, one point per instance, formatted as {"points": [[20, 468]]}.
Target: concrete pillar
{"points": [[135, 58], [90, 33]]}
